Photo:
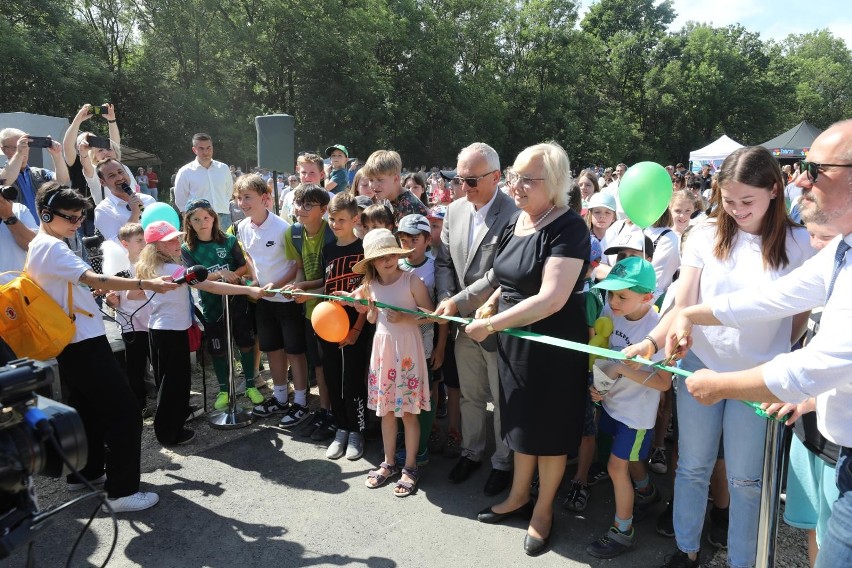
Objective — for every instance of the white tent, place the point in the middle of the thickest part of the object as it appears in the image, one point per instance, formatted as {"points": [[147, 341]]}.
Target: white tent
{"points": [[717, 151]]}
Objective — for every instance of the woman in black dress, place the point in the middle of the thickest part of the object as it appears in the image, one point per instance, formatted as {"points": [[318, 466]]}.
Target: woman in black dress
{"points": [[538, 269]]}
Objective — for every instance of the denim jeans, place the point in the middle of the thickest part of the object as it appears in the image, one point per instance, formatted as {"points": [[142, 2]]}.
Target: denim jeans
{"points": [[836, 548], [700, 428]]}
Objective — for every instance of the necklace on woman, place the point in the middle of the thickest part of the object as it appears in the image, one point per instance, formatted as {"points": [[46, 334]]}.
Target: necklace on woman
{"points": [[543, 217]]}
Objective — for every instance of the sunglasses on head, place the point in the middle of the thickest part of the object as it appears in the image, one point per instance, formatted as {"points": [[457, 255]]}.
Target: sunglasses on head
{"points": [[813, 168], [471, 181]]}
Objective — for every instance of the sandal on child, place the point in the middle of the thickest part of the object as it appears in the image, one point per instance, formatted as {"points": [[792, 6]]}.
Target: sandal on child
{"points": [[376, 479], [405, 488]]}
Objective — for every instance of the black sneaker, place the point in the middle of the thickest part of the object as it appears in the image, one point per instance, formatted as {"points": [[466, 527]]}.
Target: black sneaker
{"points": [[665, 522], [269, 407], [718, 534], [578, 497], [597, 474], [294, 416], [312, 423], [681, 559], [644, 502], [326, 430]]}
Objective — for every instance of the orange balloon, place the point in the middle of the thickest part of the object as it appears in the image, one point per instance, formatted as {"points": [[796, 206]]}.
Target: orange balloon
{"points": [[330, 321]]}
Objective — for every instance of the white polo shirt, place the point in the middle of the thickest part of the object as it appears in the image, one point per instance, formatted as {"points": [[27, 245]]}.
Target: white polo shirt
{"points": [[265, 244], [12, 256], [112, 213], [214, 184], [52, 265]]}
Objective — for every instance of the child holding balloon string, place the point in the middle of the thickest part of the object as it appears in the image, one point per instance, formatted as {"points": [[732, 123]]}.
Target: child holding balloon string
{"points": [[171, 317], [398, 383]]}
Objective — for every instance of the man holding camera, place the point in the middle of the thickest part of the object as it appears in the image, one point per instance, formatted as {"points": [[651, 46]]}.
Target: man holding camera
{"points": [[121, 205], [17, 173]]}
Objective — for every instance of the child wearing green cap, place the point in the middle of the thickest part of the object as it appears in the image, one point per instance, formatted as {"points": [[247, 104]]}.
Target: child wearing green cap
{"points": [[630, 406], [337, 180]]}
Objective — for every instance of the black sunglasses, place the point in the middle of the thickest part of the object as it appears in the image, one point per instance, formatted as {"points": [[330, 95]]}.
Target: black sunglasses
{"points": [[73, 219], [814, 168], [471, 182]]}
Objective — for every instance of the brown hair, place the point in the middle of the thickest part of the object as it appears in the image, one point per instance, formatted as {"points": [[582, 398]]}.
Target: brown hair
{"points": [[192, 237], [378, 213], [343, 202], [129, 230], [592, 177], [311, 159], [251, 182], [665, 220], [754, 166], [356, 181]]}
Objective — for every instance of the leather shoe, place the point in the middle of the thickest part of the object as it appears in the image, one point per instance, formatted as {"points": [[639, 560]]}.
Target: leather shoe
{"points": [[497, 482], [534, 546], [490, 517], [462, 470]]}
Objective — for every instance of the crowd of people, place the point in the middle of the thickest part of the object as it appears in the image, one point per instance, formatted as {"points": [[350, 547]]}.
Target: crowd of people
{"points": [[726, 281]]}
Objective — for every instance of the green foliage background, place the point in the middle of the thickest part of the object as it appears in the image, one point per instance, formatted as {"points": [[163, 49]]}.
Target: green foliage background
{"points": [[424, 77]]}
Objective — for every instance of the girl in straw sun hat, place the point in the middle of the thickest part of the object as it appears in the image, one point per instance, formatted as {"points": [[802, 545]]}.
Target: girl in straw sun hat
{"points": [[397, 384]]}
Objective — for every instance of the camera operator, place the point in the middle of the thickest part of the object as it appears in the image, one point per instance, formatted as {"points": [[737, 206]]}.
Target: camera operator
{"points": [[118, 207], [17, 173], [94, 384], [16, 231]]}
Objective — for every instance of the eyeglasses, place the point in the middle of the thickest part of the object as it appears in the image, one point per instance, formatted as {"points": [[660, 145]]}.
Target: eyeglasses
{"points": [[471, 182], [197, 204], [513, 178], [306, 206], [73, 219], [813, 168]]}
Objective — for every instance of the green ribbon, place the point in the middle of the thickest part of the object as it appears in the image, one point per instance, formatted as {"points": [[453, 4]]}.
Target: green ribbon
{"points": [[528, 335]]}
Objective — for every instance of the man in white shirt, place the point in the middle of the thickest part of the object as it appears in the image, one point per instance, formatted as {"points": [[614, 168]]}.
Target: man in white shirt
{"points": [[118, 206], [823, 368], [205, 178], [17, 229]]}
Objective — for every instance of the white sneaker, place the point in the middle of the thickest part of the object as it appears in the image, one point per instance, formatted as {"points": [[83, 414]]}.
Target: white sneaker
{"points": [[338, 446], [356, 446], [136, 502]]}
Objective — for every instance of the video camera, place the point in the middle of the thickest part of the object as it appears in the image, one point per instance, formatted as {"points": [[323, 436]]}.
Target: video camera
{"points": [[38, 436]]}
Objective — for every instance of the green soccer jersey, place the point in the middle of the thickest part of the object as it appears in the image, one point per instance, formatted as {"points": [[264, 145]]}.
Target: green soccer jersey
{"points": [[214, 257]]}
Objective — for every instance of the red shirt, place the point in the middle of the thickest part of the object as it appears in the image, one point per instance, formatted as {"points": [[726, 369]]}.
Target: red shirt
{"points": [[152, 179]]}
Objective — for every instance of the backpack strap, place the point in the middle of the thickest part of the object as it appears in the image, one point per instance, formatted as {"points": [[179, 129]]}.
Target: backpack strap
{"points": [[297, 230], [660, 236]]}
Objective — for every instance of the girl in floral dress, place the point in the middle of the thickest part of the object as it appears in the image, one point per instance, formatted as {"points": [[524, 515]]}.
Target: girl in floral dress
{"points": [[398, 384]]}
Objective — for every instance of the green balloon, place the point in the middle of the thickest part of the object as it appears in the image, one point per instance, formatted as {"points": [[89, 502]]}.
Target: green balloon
{"points": [[160, 212], [645, 191]]}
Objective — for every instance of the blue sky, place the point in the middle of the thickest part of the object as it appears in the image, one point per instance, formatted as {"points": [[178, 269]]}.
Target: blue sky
{"points": [[772, 18]]}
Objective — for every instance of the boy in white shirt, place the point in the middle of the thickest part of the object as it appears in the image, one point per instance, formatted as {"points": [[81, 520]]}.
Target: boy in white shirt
{"points": [[630, 405], [280, 326]]}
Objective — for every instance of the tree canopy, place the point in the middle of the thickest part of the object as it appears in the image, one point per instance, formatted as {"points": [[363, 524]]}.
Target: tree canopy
{"points": [[424, 77]]}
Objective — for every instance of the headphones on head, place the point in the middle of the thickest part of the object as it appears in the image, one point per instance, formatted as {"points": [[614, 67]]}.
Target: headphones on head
{"points": [[47, 212]]}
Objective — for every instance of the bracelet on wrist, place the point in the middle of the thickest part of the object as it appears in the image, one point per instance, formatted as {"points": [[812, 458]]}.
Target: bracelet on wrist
{"points": [[654, 343], [139, 284], [488, 326], [358, 329], [110, 121]]}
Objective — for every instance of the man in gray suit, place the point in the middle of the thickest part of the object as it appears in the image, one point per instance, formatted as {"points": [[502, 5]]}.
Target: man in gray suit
{"points": [[471, 233]]}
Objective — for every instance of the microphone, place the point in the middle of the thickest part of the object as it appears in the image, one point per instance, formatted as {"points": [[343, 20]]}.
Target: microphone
{"points": [[129, 191], [193, 275]]}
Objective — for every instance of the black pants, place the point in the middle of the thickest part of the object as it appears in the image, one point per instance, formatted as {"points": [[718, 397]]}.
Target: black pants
{"points": [[173, 373], [99, 391], [346, 377], [136, 349]]}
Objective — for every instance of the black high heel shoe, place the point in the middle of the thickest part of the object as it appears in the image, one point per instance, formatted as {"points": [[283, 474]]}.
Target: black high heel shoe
{"points": [[490, 517]]}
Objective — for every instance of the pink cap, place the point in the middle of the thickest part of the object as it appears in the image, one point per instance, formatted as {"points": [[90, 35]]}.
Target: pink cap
{"points": [[160, 231]]}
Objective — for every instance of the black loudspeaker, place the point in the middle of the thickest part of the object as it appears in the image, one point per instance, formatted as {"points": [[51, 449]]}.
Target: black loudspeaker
{"points": [[275, 142]]}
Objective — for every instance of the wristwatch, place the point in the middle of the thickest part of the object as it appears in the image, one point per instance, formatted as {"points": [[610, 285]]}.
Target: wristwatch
{"points": [[11, 220]]}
